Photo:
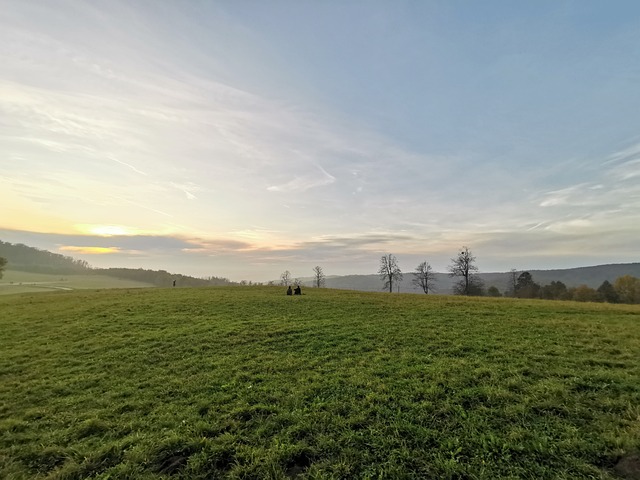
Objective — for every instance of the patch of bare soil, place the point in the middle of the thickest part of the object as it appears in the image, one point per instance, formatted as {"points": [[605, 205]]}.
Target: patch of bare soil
{"points": [[628, 467]]}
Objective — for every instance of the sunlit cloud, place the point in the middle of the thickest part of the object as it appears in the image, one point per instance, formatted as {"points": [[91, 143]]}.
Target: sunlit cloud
{"points": [[105, 230], [89, 250], [216, 245]]}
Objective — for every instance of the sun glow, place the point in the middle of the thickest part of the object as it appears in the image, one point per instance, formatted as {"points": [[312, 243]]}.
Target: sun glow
{"points": [[105, 230], [90, 250]]}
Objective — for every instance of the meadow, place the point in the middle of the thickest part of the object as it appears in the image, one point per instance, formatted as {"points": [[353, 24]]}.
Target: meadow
{"points": [[247, 383], [14, 281]]}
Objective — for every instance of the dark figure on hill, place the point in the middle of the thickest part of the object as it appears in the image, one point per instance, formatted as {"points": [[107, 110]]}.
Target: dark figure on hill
{"points": [[289, 292], [297, 291], [174, 283]]}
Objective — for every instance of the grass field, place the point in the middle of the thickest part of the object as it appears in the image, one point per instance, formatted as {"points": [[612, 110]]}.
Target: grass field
{"points": [[245, 382], [26, 282]]}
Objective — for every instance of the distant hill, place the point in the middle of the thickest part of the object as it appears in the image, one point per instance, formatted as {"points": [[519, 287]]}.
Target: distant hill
{"points": [[162, 278], [372, 283], [28, 259], [590, 276], [23, 258], [571, 277]]}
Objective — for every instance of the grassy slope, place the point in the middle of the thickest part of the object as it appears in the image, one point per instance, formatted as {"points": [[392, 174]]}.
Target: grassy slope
{"points": [[24, 282], [249, 383]]}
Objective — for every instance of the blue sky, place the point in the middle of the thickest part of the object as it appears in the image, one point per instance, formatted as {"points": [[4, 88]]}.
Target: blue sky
{"points": [[242, 139]]}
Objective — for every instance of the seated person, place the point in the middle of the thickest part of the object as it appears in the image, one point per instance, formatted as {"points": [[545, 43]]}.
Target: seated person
{"points": [[289, 290], [297, 291]]}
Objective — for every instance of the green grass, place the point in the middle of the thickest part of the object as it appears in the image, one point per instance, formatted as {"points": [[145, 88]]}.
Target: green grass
{"points": [[245, 382], [26, 282]]}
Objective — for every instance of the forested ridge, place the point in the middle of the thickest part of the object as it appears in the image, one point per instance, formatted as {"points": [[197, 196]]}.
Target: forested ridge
{"points": [[23, 258], [29, 259], [162, 278]]}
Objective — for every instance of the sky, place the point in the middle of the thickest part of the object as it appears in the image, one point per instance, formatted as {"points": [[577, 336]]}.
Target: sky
{"points": [[240, 139]]}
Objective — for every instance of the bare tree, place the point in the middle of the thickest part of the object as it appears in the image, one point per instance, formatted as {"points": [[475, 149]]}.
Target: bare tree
{"points": [[285, 278], [424, 277], [319, 278], [389, 271], [463, 265]]}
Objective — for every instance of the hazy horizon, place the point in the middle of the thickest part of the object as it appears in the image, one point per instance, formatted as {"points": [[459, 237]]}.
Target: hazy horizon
{"points": [[241, 140]]}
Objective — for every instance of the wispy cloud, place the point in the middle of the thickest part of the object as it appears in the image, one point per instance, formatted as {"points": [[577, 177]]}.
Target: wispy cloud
{"points": [[129, 166], [628, 170], [623, 156], [187, 188], [300, 184], [624, 164], [569, 195]]}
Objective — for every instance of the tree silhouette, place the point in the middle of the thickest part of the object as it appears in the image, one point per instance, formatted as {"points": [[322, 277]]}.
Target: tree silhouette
{"points": [[318, 277], [424, 277], [389, 271], [526, 287], [285, 278], [608, 293], [628, 288], [555, 291], [463, 266]]}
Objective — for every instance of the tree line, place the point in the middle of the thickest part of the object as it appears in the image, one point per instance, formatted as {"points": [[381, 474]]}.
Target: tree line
{"points": [[30, 259], [462, 267], [162, 278], [625, 289], [319, 278]]}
